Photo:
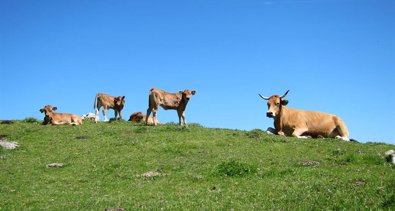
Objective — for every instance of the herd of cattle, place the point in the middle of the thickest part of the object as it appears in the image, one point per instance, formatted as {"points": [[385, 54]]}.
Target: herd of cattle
{"points": [[287, 121]]}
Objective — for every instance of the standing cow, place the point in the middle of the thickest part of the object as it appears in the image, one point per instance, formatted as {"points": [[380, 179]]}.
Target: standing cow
{"points": [[174, 101], [301, 124], [108, 102], [59, 118]]}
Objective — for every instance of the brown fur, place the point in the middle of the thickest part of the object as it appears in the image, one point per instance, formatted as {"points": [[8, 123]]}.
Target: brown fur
{"points": [[59, 118], [139, 117], [174, 101], [108, 102], [300, 123]]}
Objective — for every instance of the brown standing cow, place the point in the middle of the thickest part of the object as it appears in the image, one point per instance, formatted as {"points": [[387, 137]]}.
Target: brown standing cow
{"points": [[59, 118], [108, 102], [302, 124], [175, 101]]}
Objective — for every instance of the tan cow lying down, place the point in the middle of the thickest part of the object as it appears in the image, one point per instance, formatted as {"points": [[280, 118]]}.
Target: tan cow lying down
{"points": [[175, 101], [302, 124], [139, 117], [59, 118], [108, 102]]}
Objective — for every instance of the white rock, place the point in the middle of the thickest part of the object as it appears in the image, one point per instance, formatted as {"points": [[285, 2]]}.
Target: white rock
{"points": [[8, 145]]}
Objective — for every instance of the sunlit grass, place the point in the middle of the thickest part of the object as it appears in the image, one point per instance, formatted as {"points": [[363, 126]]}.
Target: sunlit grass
{"points": [[197, 168]]}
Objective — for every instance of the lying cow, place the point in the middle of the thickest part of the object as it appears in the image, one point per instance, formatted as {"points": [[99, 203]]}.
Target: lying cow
{"points": [[167, 101], [59, 118], [302, 124], [89, 117], [108, 102], [139, 117]]}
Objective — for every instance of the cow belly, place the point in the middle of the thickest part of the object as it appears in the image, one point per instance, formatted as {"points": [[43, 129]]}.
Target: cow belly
{"points": [[168, 107], [321, 130]]}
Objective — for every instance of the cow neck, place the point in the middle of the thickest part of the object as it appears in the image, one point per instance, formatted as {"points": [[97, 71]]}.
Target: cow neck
{"points": [[49, 114], [278, 120], [183, 103], [118, 107]]}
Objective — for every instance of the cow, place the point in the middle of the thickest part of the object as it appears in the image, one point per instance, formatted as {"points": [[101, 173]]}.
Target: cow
{"points": [[139, 117], [59, 118], [108, 102], [303, 124], [89, 117], [174, 101]]}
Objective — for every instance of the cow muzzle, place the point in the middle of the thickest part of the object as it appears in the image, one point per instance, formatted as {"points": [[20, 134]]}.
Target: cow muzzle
{"points": [[270, 114]]}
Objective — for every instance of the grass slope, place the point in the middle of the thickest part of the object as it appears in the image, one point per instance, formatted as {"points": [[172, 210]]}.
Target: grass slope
{"points": [[199, 168]]}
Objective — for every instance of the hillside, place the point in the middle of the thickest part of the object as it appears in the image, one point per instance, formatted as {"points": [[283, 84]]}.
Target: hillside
{"points": [[131, 166]]}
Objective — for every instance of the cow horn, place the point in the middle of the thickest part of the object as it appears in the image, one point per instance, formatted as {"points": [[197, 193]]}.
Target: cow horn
{"points": [[263, 97], [285, 94]]}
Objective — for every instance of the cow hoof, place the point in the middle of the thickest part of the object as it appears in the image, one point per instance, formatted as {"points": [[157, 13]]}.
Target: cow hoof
{"points": [[270, 133], [342, 138]]}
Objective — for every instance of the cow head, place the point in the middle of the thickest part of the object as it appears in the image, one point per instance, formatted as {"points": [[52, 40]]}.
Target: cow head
{"points": [[47, 110], [275, 104], [119, 101], [186, 94]]}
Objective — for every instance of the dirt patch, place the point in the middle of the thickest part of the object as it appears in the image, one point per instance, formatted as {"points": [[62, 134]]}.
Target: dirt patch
{"points": [[83, 137]]}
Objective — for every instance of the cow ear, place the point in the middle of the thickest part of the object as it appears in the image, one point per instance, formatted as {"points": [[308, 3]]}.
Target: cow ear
{"points": [[54, 108], [284, 102], [180, 92], [41, 110], [123, 97], [193, 92]]}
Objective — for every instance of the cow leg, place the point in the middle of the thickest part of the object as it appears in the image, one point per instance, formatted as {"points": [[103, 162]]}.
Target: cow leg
{"points": [[147, 115], [341, 130], [271, 131], [104, 113], [181, 116], [154, 115], [97, 119], [298, 133], [116, 114], [120, 115]]}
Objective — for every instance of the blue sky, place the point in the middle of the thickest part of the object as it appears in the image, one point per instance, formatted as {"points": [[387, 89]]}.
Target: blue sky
{"points": [[336, 56]]}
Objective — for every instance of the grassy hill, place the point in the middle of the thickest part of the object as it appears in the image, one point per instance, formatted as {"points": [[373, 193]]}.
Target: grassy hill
{"points": [[131, 166]]}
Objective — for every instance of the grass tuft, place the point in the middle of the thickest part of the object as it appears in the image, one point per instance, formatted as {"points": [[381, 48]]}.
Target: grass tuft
{"points": [[235, 168], [32, 120]]}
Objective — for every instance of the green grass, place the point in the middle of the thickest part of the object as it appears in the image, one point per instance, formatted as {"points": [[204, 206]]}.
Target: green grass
{"points": [[199, 169]]}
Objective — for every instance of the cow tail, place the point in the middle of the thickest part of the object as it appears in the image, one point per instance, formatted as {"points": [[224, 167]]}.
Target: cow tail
{"points": [[149, 98], [94, 103]]}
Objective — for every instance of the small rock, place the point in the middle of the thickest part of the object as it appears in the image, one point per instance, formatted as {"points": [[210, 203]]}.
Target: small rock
{"points": [[310, 163], [359, 183], [8, 145], [55, 165], [214, 189], [151, 174]]}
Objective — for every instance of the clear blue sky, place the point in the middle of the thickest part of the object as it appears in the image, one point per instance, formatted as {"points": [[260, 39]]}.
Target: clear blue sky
{"points": [[336, 56]]}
